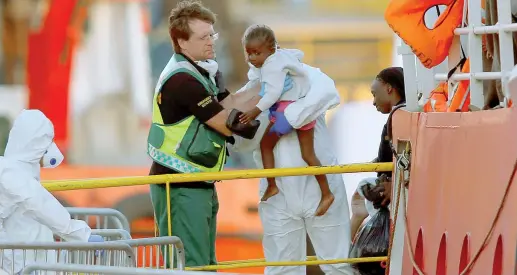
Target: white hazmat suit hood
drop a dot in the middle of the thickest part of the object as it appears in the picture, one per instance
(28, 212)
(30, 140)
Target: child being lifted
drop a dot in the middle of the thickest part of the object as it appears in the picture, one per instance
(273, 64)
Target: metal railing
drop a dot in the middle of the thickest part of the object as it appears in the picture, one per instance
(138, 244)
(14, 256)
(34, 269)
(311, 261)
(156, 247)
(112, 234)
(105, 218)
(107, 234)
(157, 252)
(64, 185)
(416, 75)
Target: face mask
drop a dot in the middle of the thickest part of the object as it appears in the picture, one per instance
(53, 157)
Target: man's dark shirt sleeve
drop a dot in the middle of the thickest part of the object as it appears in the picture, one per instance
(223, 95)
(223, 92)
(191, 95)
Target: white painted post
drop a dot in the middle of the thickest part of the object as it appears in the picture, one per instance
(398, 246)
(410, 77)
(475, 47)
(505, 45)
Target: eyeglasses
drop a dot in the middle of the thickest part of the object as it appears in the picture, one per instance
(213, 36)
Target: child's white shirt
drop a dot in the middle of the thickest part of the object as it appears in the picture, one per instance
(273, 73)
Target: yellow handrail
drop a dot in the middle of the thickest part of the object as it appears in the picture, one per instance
(290, 263)
(63, 185)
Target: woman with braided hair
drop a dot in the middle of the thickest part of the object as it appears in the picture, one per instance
(388, 92)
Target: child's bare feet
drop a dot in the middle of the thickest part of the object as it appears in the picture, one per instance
(271, 190)
(325, 203)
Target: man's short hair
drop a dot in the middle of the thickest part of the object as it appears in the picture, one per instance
(180, 17)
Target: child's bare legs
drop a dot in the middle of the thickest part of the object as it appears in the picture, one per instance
(267, 144)
(306, 138)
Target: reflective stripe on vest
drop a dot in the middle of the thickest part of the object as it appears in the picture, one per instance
(169, 144)
(431, 46)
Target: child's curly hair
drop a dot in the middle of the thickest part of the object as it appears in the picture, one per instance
(261, 32)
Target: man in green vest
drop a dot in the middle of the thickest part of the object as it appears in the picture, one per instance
(193, 118)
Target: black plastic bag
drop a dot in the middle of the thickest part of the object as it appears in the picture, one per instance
(372, 241)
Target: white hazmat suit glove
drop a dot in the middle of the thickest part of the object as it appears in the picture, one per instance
(95, 239)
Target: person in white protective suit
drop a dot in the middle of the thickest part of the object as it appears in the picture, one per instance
(288, 216)
(28, 212)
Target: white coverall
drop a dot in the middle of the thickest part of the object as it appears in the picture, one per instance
(28, 212)
(289, 215)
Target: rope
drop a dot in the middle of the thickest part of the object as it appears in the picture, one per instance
(400, 189)
(395, 217)
(287, 263)
(408, 240)
(488, 236)
(494, 222)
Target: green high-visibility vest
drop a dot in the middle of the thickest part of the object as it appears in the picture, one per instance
(187, 146)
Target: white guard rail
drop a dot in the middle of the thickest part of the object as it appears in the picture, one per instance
(14, 256)
(156, 247)
(107, 234)
(112, 234)
(37, 269)
(104, 217)
(473, 48)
